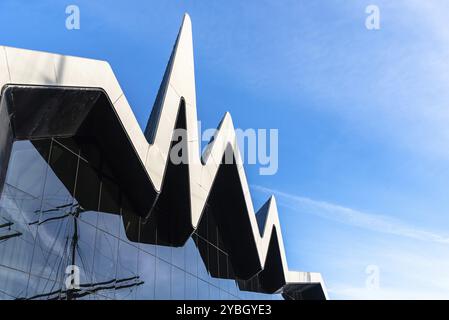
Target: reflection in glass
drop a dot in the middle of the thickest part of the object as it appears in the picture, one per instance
(163, 280)
(147, 275)
(177, 283)
(44, 229)
(191, 292)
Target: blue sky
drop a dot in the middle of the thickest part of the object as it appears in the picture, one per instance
(362, 116)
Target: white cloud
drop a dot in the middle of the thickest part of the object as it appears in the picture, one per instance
(403, 274)
(413, 267)
(349, 216)
(362, 293)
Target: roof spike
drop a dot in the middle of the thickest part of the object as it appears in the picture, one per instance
(179, 66)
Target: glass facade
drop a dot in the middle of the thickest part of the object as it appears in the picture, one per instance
(44, 230)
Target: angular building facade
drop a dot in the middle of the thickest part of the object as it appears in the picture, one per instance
(85, 193)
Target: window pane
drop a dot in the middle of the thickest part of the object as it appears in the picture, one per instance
(178, 256)
(85, 250)
(127, 280)
(223, 295)
(191, 287)
(109, 223)
(44, 289)
(191, 257)
(106, 247)
(164, 252)
(16, 248)
(87, 189)
(213, 266)
(202, 248)
(203, 290)
(109, 196)
(54, 245)
(27, 167)
(150, 248)
(63, 164)
(14, 283)
(163, 275)
(177, 283)
(147, 275)
(214, 292)
(130, 224)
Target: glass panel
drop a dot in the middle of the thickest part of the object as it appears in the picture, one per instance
(164, 253)
(214, 292)
(54, 243)
(177, 283)
(44, 229)
(202, 260)
(178, 257)
(233, 289)
(129, 225)
(163, 281)
(14, 283)
(223, 269)
(85, 251)
(27, 167)
(44, 289)
(54, 247)
(192, 256)
(127, 280)
(109, 218)
(191, 287)
(88, 192)
(149, 248)
(147, 275)
(109, 196)
(213, 265)
(105, 261)
(17, 244)
(203, 290)
(63, 165)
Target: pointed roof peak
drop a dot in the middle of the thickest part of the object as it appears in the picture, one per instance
(186, 23)
(179, 73)
(186, 17)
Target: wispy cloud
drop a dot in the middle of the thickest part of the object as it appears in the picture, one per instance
(363, 293)
(404, 273)
(353, 217)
